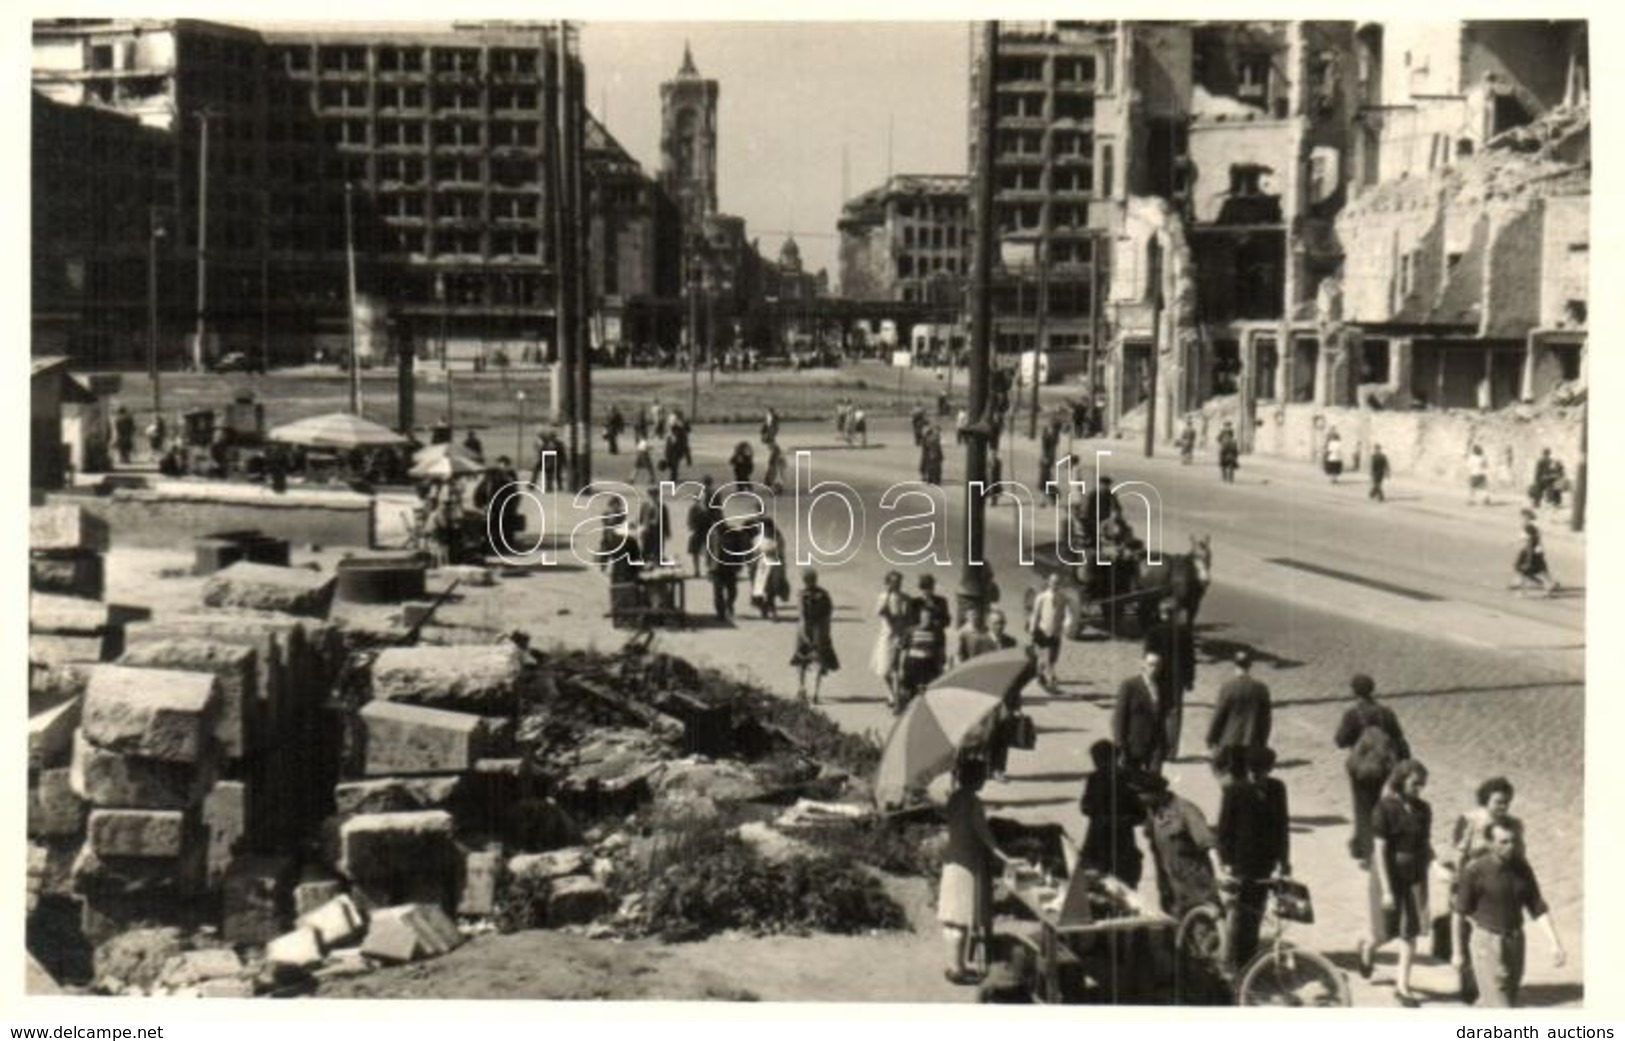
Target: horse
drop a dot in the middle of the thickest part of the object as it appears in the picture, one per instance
(1181, 577)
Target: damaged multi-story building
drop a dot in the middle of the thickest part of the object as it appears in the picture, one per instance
(907, 240)
(1347, 213)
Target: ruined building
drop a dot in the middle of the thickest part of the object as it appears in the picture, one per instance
(908, 240)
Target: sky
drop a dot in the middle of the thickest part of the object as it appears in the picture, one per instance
(792, 96)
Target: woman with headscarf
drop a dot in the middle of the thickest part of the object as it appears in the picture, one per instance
(1402, 849)
(963, 907)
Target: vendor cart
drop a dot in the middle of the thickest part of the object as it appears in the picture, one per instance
(1090, 938)
(653, 597)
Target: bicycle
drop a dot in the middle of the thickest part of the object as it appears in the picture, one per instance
(1279, 972)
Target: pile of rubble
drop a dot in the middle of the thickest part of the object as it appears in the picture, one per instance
(254, 798)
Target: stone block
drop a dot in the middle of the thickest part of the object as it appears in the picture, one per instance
(80, 574)
(110, 780)
(577, 900)
(384, 845)
(56, 650)
(178, 878)
(236, 669)
(481, 679)
(153, 713)
(253, 898)
(54, 811)
(196, 967)
(52, 685)
(483, 872)
(237, 987)
(409, 739)
(73, 616)
(557, 864)
(67, 527)
(298, 951)
(410, 932)
(336, 923)
(396, 795)
(263, 587)
(136, 833)
(311, 894)
(465, 574)
(718, 781)
(50, 735)
(226, 825)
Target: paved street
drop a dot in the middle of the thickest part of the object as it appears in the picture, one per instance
(1483, 682)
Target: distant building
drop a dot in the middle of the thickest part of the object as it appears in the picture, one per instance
(688, 143)
(442, 136)
(908, 240)
(633, 247)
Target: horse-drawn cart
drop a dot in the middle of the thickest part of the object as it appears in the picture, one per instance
(1108, 584)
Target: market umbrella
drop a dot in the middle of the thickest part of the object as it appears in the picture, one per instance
(1000, 673)
(927, 738)
(338, 430)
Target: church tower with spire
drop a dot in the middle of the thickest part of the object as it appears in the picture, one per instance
(688, 143)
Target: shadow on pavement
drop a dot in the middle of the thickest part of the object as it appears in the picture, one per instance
(1509, 688)
(1063, 776)
(1222, 650)
(1063, 800)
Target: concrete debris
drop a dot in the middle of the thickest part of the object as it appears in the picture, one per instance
(136, 833)
(61, 650)
(253, 896)
(111, 780)
(483, 874)
(236, 668)
(383, 845)
(298, 951)
(771, 844)
(719, 781)
(410, 932)
(264, 587)
(238, 987)
(77, 574)
(226, 826)
(553, 865)
(52, 685)
(136, 958)
(409, 739)
(577, 900)
(483, 680)
(336, 922)
(50, 735)
(195, 967)
(396, 795)
(464, 574)
(310, 894)
(155, 713)
(54, 811)
(346, 961)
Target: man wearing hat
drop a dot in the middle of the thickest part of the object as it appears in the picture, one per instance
(1175, 643)
(1241, 716)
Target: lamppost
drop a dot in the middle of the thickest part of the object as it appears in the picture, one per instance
(200, 348)
(519, 437)
(156, 232)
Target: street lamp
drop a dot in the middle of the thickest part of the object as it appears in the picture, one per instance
(155, 232)
(519, 438)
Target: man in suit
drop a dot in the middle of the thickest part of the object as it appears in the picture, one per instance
(1174, 640)
(1136, 726)
(1241, 717)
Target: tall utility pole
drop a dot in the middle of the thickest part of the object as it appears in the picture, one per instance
(693, 283)
(1038, 338)
(1153, 254)
(1577, 512)
(155, 231)
(573, 106)
(564, 255)
(973, 585)
(355, 346)
(198, 348)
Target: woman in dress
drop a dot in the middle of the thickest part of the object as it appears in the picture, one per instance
(892, 608)
(1334, 455)
(773, 476)
(1531, 565)
(813, 644)
(967, 862)
(1402, 850)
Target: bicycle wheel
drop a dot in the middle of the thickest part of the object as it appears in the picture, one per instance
(1199, 956)
(1293, 977)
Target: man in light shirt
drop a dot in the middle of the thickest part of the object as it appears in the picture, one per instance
(1045, 627)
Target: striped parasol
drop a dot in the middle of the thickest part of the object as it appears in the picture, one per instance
(339, 430)
(927, 739)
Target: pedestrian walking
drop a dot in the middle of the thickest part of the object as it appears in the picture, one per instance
(614, 426)
(1470, 839)
(1495, 892)
(917, 421)
(773, 475)
(1530, 564)
(860, 427)
(1187, 443)
(643, 462)
(679, 429)
(893, 610)
(925, 646)
(1184, 848)
(995, 473)
(1136, 728)
(1045, 626)
(1478, 476)
(441, 432)
(972, 638)
(964, 905)
(1049, 440)
(814, 648)
(1113, 810)
(724, 557)
(702, 516)
(770, 426)
(1376, 744)
(473, 445)
(1332, 455)
(1379, 473)
(1242, 713)
(654, 521)
(671, 453)
(123, 435)
(1254, 846)
(640, 424)
(768, 583)
(1402, 850)
(743, 461)
(931, 457)
(1229, 453)
(1174, 640)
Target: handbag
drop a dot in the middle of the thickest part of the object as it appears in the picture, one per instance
(1023, 731)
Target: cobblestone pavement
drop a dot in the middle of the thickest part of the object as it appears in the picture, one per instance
(1470, 708)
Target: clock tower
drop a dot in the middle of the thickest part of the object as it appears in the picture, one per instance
(688, 143)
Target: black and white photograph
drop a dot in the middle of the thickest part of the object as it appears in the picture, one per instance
(1084, 513)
